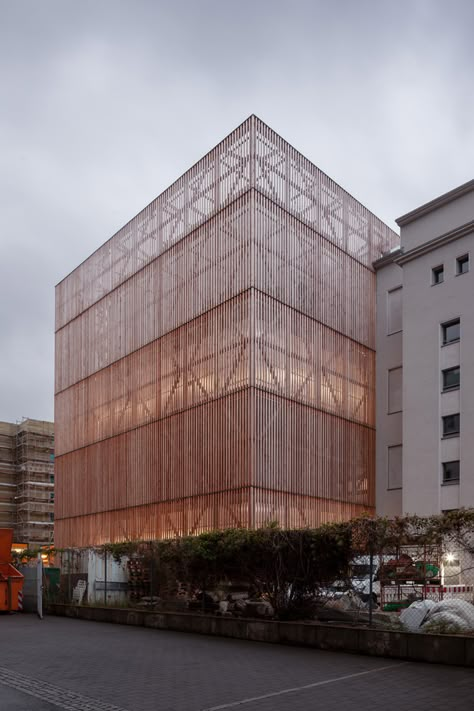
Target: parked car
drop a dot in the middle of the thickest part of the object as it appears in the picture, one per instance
(358, 581)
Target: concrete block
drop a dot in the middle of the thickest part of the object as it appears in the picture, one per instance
(469, 651)
(298, 633)
(105, 614)
(201, 624)
(178, 621)
(133, 617)
(439, 649)
(155, 620)
(231, 627)
(337, 638)
(262, 631)
(383, 643)
(95, 614)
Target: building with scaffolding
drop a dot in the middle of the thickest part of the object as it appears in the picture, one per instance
(27, 481)
(7, 475)
(215, 359)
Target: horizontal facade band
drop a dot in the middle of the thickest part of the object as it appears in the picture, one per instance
(249, 507)
(250, 437)
(243, 247)
(251, 340)
(238, 490)
(257, 196)
(197, 406)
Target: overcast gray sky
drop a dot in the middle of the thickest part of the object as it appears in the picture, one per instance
(104, 103)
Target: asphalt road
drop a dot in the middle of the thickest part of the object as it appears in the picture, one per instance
(87, 666)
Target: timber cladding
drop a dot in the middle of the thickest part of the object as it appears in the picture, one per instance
(215, 360)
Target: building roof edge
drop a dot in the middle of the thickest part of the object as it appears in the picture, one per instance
(440, 241)
(387, 258)
(435, 204)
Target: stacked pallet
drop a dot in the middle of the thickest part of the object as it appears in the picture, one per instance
(138, 578)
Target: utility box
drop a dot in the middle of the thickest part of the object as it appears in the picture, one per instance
(11, 580)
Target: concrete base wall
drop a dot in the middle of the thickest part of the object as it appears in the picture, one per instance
(440, 649)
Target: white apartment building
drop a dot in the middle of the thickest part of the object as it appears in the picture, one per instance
(425, 360)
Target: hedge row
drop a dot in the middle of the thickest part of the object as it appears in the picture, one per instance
(292, 567)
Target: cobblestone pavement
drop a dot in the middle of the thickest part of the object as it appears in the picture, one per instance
(89, 666)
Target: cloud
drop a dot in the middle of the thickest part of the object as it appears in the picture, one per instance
(105, 104)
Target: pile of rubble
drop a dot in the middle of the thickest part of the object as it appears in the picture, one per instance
(232, 604)
(219, 602)
(351, 608)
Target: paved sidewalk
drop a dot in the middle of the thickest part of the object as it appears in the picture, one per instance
(82, 666)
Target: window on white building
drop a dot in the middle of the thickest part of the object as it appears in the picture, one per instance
(437, 275)
(451, 472)
(451, 378)
(394, 310)
(451, 331)
(462, 264)
(451, 425)
(395, 467)
(452, 571)
(394, 390)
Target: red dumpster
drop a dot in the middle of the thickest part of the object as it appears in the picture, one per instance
(11, 580)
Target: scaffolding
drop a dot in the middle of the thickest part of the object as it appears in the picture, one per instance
(27, 481)
(35, 483)
(413, 573)
(7, 475)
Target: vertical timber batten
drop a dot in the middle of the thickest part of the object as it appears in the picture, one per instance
(215, 358)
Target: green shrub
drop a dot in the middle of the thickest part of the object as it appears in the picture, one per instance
(290, 568)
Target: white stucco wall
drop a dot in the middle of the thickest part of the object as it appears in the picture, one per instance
(438, 222)
(389, 426)
(425, 308)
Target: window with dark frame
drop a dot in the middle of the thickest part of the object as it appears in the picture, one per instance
(451, 425)
(451, 378)
(462, 264)
(394, 467)
(451, 472)
(394, 310)
(437, 275)
(451, 331)
(395, 390)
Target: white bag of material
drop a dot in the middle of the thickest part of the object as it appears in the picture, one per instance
(413, 617)
(451, 614)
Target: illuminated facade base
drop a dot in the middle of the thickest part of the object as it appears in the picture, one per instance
(215, 359)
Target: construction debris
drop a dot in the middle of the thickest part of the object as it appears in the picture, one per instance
(449, 616)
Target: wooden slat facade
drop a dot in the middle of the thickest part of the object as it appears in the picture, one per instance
(215, 359)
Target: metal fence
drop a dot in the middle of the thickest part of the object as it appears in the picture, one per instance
(418, 587)
(382, 587)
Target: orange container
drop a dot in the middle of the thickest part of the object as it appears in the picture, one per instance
(11, 580)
